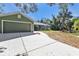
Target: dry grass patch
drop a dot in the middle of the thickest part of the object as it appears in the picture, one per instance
(64, 37)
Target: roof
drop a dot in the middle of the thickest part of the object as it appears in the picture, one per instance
(12, 13)
(38, 23)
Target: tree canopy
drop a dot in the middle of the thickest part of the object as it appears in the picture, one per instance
(27, 7)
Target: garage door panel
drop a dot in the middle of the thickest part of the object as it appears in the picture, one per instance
(16, 27)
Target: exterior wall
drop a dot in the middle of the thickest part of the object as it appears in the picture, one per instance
(41, 27)
(15, 18)
(15, 27)
(0, 27)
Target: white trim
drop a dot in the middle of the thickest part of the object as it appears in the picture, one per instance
(15, 21)
(2, 27)
(2, 22)
(32, 27)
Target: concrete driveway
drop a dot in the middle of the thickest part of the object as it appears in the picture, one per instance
(36, 45)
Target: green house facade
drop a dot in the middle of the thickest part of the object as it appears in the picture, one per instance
(15, 22)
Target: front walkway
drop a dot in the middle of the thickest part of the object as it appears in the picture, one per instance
(36, 45)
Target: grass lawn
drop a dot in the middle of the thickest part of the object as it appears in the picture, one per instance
(77, 33)
(63, 37)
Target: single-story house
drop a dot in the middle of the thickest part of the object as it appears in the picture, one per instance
(15, 22)
(41, 26)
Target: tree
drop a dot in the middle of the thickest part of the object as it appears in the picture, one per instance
(45, 20)
(27, 7)
(69, 25)
(75, 19)
(41, 21)
(64, 14)
(54, 24)
(65, 20)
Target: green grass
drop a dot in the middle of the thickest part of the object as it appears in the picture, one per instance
(77, 33)
(46, 30)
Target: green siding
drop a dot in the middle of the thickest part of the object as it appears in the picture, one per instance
(11, 27)
(15, 18)
(0, 27)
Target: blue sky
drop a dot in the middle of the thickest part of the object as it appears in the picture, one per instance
(43, 10)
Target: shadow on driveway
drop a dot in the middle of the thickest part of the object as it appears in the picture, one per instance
(8, 36)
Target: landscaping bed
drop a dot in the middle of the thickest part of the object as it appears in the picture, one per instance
(64, 37)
